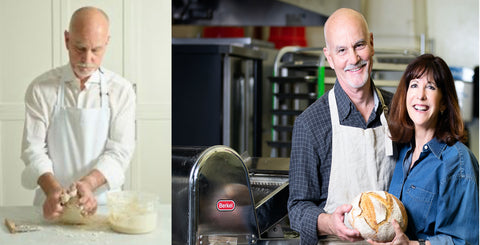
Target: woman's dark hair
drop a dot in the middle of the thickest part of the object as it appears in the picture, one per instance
(449, 128)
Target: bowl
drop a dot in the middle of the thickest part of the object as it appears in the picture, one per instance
(132, 212)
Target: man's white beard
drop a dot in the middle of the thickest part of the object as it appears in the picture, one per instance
(81, 72)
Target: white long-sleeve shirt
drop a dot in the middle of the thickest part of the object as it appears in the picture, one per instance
(40, 99)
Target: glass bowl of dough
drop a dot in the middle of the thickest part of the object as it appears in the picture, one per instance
(132, 212)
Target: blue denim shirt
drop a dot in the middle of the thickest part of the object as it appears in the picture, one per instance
(440, 193)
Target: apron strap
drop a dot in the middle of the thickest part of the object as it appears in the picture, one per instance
(382, 101)
(334, 111)
(383, 119)
(103, 89)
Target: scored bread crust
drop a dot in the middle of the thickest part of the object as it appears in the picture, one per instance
(372, 215)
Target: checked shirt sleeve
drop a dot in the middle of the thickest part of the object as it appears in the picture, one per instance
(305, 189)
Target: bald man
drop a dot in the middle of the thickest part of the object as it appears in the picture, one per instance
(340, 143)
(79, 127)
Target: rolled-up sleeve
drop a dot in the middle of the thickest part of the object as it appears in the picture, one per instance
(305, 194)
(120, 145)
(34, 151)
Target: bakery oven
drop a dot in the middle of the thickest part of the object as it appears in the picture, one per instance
(216, 95)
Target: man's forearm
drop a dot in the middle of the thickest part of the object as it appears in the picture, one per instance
(93, 180)
(48, 183)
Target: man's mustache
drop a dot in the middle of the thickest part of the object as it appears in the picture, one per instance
(86, 65)
(360, 64)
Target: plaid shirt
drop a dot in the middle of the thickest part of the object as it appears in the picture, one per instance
(311, 158)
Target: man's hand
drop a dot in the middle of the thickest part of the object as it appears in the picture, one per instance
(332, 224)
(86, 200)
(399, 239)
(86, 188)
(52, 209)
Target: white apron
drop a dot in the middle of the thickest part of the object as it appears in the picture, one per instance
(362, 159)
(75, 139)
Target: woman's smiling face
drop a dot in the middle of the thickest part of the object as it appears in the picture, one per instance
(424, 102)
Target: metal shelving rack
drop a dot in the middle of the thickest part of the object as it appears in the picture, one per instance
(295, 86)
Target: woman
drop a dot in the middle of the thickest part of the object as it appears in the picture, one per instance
(436, 176)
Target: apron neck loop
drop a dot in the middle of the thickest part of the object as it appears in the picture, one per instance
(384, 120)
(382, 101)
(103, 89)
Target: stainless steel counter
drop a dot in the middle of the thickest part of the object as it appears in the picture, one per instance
(97, 232)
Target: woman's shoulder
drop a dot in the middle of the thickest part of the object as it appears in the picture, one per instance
(460, 159)
(461, 150)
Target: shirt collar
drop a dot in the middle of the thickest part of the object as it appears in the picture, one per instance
(69, 76)
(345, 105)
(436, 147)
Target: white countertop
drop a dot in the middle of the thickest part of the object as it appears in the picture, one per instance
(97, 232)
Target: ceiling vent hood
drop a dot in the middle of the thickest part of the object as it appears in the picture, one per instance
(256, 12)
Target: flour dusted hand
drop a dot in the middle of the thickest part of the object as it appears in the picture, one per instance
(86, 196)
(52, 209)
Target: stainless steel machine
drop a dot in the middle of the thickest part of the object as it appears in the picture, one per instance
(220, 198)
(220, 82)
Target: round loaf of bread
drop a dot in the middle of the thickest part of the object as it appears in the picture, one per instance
(372, 215)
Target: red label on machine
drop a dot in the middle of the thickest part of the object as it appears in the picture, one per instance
(225, 205)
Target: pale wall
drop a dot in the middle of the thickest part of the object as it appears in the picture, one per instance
(452, 27)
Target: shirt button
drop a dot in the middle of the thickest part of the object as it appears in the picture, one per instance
(425, 147)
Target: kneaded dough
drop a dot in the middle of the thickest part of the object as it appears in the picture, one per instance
(72, 213)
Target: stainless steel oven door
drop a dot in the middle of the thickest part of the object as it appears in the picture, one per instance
(238, 110)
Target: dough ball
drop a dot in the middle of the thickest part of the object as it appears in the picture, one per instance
(72, 213)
